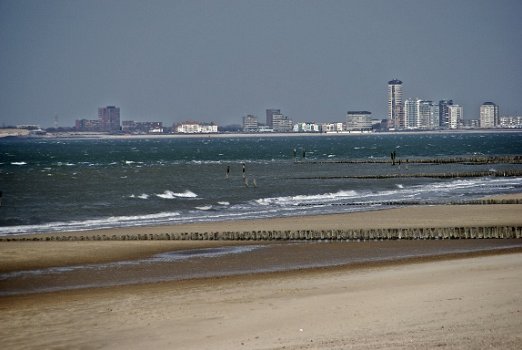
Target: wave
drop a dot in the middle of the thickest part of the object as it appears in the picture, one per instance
(204, 207)
(141, 196)
(301, 199)
(435, 192)
(85, 225)
(172, 195)
(346, 200)
(18, 163)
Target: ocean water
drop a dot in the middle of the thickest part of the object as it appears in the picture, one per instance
(72, 184)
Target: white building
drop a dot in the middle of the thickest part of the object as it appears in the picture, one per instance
(412, 113)
(307, 127)
(489, 117)
(196, 128)
(456, 116)
(332, 127)
(511, 122)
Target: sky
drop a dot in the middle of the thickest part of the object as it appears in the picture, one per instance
(174, 60)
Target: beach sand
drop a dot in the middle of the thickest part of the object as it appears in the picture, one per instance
(463, 302)
(466, 303)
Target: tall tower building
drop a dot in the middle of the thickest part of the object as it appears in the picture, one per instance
(444, 113)
(109, 118)
(456, 116)
(270, 116)
(426, 115)
(489, 117)
(411, 112)
(395, 107)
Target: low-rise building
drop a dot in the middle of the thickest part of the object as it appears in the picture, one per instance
(250, 123)
(511, 122)
(471, 123)
(282, 123)
(88, 125)
(332, 127)
(358, 120)
(131, 126)
(307, 127)
(196, 128)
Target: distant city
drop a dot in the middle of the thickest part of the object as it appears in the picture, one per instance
(411, 114)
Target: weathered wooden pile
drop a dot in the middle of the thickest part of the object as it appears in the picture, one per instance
(448, 175)
(426, 233)
(446, 160)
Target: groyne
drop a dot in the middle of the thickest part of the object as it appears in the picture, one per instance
(348, 234)
(409, 203)
(455, 160)
(448, 175)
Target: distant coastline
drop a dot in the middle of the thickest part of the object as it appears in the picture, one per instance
(25, 134)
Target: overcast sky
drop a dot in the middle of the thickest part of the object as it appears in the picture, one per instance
(219, 60)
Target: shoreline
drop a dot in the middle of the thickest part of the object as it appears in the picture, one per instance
(20, 134)
(30, 251)
(418, 216)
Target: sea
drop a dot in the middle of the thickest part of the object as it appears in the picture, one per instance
(60, 184)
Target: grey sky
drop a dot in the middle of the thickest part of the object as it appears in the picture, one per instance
(219, 60)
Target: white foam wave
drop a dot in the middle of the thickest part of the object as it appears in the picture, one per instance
(141, 196)
(204, 207)
(302, 199)
(225, 203)
(107, 222)
(172, 195)
(18, 163)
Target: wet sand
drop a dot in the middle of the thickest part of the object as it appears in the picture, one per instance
(465, 303)
(244, 259)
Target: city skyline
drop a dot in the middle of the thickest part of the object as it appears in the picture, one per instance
(221, 60)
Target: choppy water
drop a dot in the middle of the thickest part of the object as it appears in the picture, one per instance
(59, 185)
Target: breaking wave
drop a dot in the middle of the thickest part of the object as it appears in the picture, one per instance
(172, 195)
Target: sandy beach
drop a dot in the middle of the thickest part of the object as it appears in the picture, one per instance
(458, 300)
(466, 303)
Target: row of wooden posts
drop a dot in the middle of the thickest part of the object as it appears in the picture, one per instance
(394, 159)
(507, 173)
(426, 233)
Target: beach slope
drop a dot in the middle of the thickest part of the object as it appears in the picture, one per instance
(465, 303)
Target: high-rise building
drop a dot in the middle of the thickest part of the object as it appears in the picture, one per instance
(425, 114)
(109, 118)
(434, 121)
(411, 112)
(395, 107)
(489, 117)
(444, 121)
(250, 123)
(270, 117)
(456, 116)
